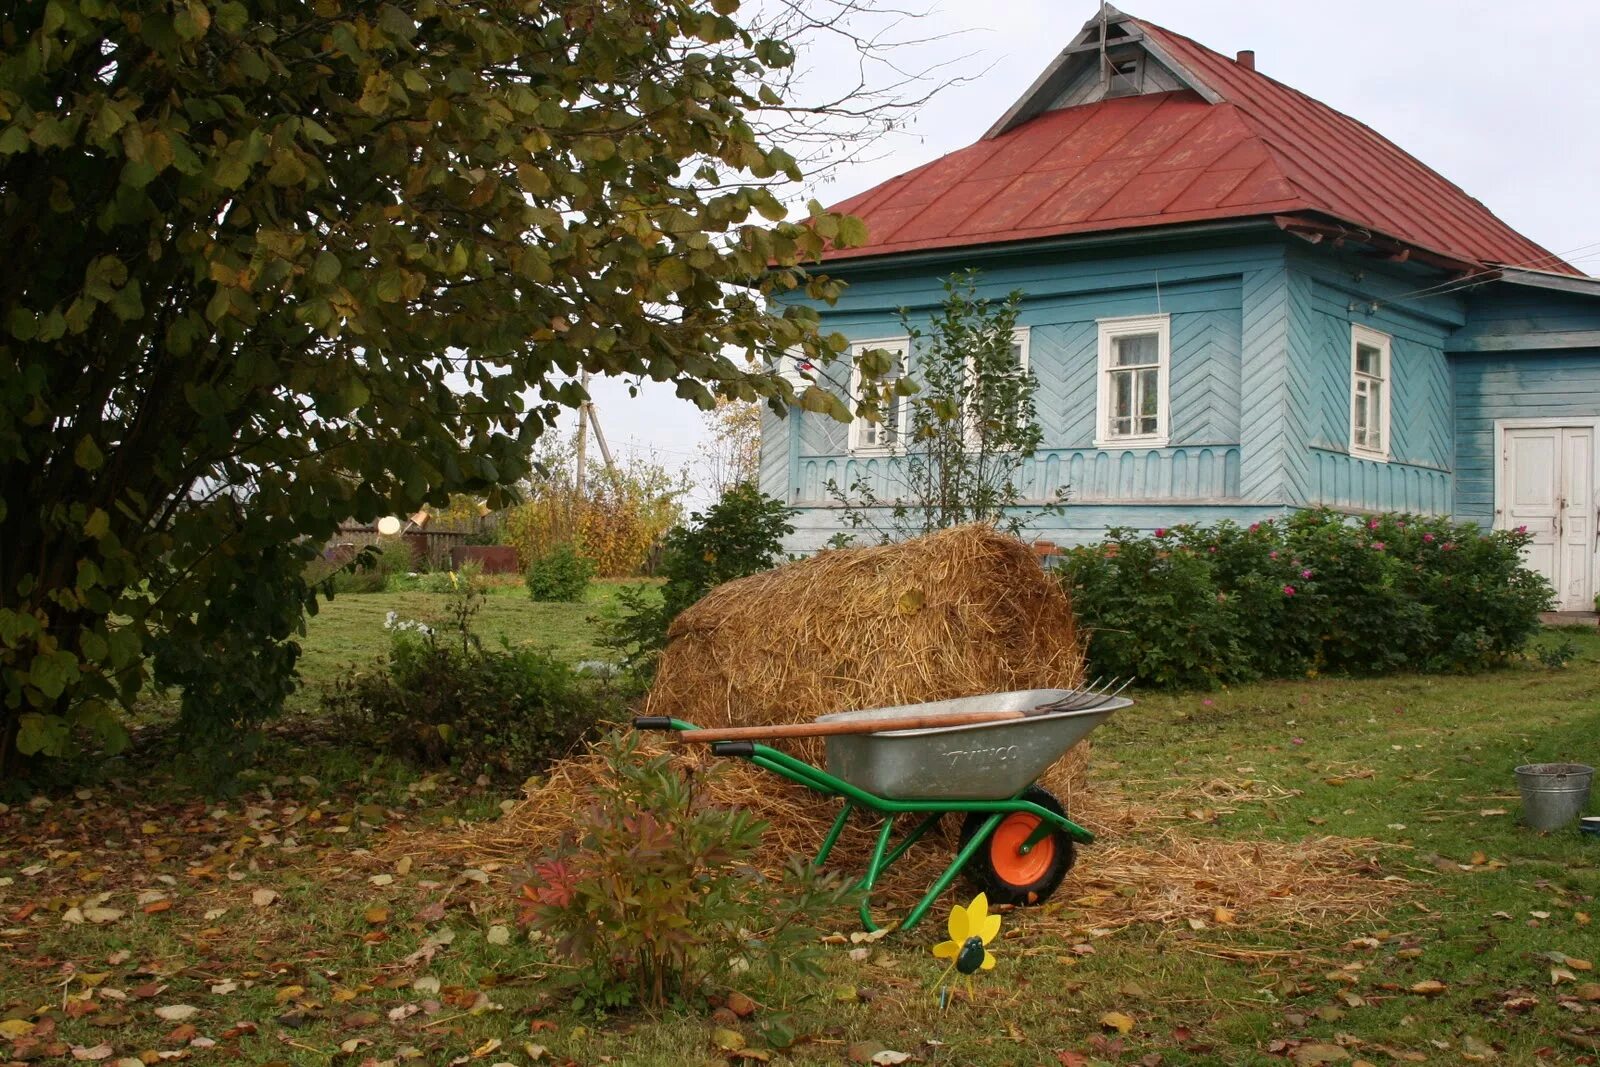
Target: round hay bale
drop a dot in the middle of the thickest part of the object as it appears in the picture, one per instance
(961, 612)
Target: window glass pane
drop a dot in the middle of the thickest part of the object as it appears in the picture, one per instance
(1149, 394)
(1375, 428)
(1121, 395)
(1016, 352)
(1360, 418)
(1121, 427)
(1369, 360)
(1136, 350)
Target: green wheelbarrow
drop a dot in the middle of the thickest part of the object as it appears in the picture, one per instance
(1017, 843)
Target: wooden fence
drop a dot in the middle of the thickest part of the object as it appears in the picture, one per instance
(430, 549)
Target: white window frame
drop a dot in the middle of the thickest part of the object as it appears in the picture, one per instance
(1366, 335)
(1132, 326)
(859, 427)
(1019, 338)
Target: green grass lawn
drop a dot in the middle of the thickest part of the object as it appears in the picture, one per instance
(349, 629)
(287, 921)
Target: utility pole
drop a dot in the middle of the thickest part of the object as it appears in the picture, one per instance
(583, 436)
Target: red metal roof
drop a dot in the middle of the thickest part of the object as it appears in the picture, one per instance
(1265, 149)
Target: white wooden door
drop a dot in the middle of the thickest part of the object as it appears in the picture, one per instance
(1547, 483)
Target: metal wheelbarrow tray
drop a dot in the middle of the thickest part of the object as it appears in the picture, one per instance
(1017, 843)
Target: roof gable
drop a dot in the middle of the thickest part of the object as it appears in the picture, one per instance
(1184, 135)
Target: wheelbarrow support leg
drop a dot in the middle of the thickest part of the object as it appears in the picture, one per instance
(979, 840)
(833, 834)
(875, 866)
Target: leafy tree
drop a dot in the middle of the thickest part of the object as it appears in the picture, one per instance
(740, 535)
(970, 424)
(276, 264)
(734, 452)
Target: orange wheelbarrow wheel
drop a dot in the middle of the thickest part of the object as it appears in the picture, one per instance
(1001, 869)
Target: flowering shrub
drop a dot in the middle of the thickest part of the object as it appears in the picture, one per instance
(653, 895)
(1317, 592)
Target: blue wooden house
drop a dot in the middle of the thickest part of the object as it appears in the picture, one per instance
(1238, 302)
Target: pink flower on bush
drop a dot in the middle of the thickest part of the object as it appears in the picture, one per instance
(1522, 529)
(1377, 546)
(1213, 548)
(1372, 524)
(1161, 531)
(1273, 554)
(1306, 574)
(1288, 590)
(1427, 539)
(1448, 546)
(1254, 526)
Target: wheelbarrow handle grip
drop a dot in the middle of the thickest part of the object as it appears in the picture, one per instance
(652, 722)
(734, 748)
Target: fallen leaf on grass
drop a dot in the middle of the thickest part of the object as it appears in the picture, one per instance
(1223, 916)
(264, 898)
(499, 935)
(11, 1029)
(377, 916)
(1315, 1054)
(98, 1052)
(176, 1013)
(1121, 1022)
(1428, 988)
(1561, 974)
(727, 1040)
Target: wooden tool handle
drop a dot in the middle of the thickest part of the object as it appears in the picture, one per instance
(846, 726)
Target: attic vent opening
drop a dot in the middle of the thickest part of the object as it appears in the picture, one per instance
(1124, 74)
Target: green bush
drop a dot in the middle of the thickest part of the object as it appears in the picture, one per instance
(1319, 592)
(654, 895)
(440, 698)
(373, 567)
(740, 535)
(559, 574)
(448, 581)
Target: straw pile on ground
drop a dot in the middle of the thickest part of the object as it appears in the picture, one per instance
(958, 613)
(962, 612)
(1145, 866)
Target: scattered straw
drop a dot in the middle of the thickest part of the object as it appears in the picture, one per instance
(1144, 867)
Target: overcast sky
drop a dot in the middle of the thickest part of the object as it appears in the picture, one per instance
(1501, 98)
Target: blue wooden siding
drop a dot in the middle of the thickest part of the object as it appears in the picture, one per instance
(1522, 385)
(1260, 384)
(1507, 317)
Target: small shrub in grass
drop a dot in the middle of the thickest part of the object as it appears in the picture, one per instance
(441, 698)
(1198, 606)
(653, 898)
(373, 567)
(450, 581)
(560, 574)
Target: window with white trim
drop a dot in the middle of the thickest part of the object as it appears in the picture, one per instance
(879, 438)
(1135, 364)
(1369, 393)
(1019, 358)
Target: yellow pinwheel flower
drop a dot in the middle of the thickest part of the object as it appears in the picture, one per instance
(971, 928)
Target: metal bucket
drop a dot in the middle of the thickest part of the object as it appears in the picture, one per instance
(1553, 794)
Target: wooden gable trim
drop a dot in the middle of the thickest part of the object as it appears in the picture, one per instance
(1074, 59)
